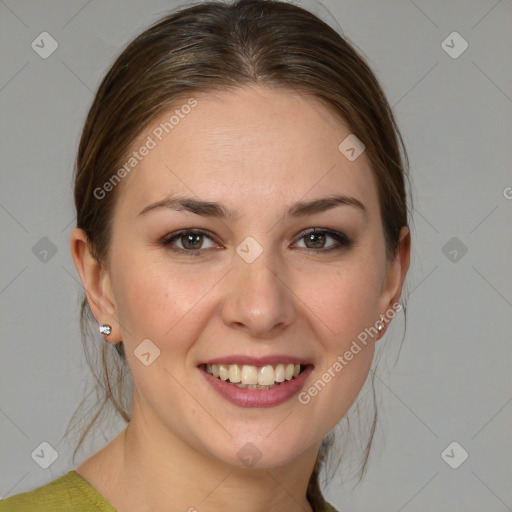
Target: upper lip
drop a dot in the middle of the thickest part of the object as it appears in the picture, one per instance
(257, 361)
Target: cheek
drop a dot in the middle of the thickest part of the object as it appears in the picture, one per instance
(154, 299)
(345, 300)
(343, 310)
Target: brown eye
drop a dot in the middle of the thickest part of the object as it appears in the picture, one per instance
(188, 241)
(191, 241)
(315, 240)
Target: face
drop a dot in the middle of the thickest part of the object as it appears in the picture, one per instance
(264, 276)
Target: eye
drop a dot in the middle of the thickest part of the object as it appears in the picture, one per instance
(190, 241)
(315, 240)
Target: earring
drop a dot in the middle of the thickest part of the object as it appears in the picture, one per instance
(381, 323)
(105, 329)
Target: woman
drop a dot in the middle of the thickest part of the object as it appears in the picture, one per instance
(242, 241)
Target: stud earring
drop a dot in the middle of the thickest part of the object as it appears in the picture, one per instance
(105, 329)
(381, 323)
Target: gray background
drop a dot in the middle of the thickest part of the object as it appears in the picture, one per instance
(452, 381)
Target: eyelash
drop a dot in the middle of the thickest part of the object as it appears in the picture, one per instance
(342, 240)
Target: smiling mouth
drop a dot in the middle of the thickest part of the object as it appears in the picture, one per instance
(253, 377)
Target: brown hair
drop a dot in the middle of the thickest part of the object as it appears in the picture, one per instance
(216, 46)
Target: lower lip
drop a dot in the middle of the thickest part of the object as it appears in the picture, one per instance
(258, 397)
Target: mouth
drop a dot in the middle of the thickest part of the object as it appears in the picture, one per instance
(246, 376)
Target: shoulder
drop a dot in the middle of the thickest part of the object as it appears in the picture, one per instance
(329, 508)
(69, 493)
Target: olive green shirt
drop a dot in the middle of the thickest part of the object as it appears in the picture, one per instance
(69, 493)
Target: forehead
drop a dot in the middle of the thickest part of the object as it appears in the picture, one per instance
(250, 148)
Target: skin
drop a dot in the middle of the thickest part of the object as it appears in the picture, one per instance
(271, 148)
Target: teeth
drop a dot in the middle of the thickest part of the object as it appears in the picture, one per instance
(251, 377)
(266, 376)
(223, 372)
(280, 373)
(234, 373)
(253, 386)
(249, 374)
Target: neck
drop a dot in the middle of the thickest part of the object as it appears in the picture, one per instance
(160, 472)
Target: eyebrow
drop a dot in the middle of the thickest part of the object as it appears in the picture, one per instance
(213, 209)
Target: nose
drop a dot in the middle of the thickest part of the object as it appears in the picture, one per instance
(258, 300)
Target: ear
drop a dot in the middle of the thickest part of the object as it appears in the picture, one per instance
(96, 282)
(395, 276)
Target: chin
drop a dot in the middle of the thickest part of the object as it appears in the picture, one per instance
(260, 451)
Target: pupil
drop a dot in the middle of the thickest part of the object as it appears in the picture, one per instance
(191, 241)
(320, 240)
